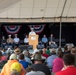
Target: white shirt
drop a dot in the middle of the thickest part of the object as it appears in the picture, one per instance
(16, 40)
(26, 40)
(32, 33)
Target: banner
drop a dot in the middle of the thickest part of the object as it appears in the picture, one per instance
(37, 28)
(12, 29)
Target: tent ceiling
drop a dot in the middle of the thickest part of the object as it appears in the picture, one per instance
(36, 8)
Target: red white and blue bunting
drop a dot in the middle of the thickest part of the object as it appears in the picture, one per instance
(12, 29)
(37, 28)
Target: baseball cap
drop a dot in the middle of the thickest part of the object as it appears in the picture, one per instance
(13, 56)
(16, 66)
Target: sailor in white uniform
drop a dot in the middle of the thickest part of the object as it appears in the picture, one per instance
(32, 32)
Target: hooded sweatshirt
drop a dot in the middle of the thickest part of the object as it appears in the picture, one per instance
(6, 68)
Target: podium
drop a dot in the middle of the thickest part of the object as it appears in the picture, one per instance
(33, 40)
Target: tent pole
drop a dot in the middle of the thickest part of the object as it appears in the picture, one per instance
(0, 33)
(60, 32)
(61, 23)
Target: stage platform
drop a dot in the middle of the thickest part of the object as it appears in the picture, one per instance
(30, 49)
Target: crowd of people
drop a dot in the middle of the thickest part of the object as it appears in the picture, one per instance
(40, 62)
(45, 61)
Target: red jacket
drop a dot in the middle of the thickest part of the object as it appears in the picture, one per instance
(45, 55)
(68, 71)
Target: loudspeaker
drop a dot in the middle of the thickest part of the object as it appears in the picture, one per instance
(40, 46)
(26, 47)
(30, 47)
(53, 46)
(23, 47)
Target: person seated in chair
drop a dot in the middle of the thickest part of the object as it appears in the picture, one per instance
(10, 41)
(3, 42)
(26, 40)
(44, 41)
(52, 42)
(16, 40)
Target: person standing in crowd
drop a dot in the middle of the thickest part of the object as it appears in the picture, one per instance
(10, 41)
(45, 41)
(69, 68)
(16, 40)
(32, 32)
(3, 42)
(26, 40)
(38, 64)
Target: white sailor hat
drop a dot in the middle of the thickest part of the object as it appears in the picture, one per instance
(15, 34)
(9, 35)
(32, 28)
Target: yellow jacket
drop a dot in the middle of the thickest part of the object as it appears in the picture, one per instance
(6, 68)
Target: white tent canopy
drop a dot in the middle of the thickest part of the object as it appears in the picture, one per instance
(34, 10)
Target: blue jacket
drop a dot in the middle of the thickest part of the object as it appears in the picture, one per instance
(24, 63)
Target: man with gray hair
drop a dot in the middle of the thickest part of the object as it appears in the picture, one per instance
(35, 73)
(50, 59)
